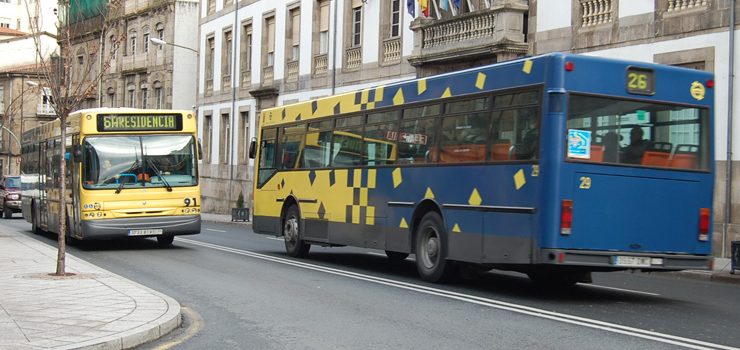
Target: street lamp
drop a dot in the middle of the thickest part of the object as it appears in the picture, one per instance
(160, 42)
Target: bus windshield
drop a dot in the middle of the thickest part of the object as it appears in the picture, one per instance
(110, 162)
(617, 131)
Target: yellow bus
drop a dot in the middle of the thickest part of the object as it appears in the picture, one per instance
(130, 173)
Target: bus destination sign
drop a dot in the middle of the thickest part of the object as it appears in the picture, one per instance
(139, 122)
(640, 81)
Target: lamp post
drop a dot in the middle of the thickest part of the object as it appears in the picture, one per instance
(160, 42)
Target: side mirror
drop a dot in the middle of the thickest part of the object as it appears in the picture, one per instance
(253, 148)
(200, 151)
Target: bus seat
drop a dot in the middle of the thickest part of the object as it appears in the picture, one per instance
(501, 150)
(462, 153)
(661, 146)
(685, 157)
(655, 158)
(597, 153)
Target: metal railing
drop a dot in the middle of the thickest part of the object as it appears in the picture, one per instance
(45, 109)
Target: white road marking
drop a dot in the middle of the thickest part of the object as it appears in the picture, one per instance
(501, 305)
(588, 285)
(214, 230)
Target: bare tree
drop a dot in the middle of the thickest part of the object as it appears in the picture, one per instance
(72, 72)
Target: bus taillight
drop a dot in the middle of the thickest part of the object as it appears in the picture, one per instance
(566, 216)
(704, 224)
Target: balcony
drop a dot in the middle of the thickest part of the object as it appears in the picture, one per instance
(292, 68)
(392, 50)
(268, 74)
(493, 33)
(43, 109)
(134, 62)
(353, 58)
(320, 65)
(680, 5)
(595, 12)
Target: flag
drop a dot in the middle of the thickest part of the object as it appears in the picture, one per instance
(457, 3)
(411, 5)
(444, 4)
(424, 4)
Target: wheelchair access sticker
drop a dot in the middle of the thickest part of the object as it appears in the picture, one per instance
(579, 144)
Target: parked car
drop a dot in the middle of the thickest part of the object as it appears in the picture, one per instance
(10, 195)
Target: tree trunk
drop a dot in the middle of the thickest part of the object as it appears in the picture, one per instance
(61, 259)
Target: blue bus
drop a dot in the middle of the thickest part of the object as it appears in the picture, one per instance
(555, 166)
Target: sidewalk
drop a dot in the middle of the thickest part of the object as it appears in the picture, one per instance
(95, 309)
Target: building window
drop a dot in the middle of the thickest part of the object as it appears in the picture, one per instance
(226, 50)
(225, 139)
(131, 94)
(270, 47)
(208, 137)
(211, 6)
(246, 54)
(146, 39)
(294, 33)
(160, 33)
(111, 97)
(210, 47)
(324, 28)
(80, 67)
(158, 95)
(396, 18)
(144, 97)
(357, 25)
(113, 43)
(243, 138)
(132, 43)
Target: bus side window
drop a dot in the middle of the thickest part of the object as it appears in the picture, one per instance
(267, 155)
(291, 145)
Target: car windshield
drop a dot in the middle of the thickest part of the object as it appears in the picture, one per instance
(13, 182)
(112, 162)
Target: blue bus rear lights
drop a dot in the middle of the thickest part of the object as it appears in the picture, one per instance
(569, 66)
(704, 224)
(566, 216)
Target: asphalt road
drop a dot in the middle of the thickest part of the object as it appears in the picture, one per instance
(246, 293)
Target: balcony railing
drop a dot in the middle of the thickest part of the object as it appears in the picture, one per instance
(354, 57)
(209, 86)
(226, 81)
(457, 31)
(595, 12)
(320, 64)
(678, 5)
(268, 74)
(45, 109)
(246, 79)
(391, 50)
(292, 71)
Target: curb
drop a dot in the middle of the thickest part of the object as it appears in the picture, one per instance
(707, 276)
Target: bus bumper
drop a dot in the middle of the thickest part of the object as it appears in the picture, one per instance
(114, 228)
(620, 260)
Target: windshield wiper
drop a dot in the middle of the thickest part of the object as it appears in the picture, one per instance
(120, 178)
(159, 173)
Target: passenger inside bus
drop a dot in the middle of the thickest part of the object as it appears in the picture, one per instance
(527, 148)
(611, 147)
(632, 154)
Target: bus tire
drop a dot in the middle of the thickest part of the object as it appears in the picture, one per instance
(166, 240)
(431, 250)
(396, 256)
(294, 245)
(7, 213)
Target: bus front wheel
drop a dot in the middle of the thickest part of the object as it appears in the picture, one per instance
(34, 221)
(294, 245)
(431, 250)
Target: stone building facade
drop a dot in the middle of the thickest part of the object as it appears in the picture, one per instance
(688, 33)
(138, 72)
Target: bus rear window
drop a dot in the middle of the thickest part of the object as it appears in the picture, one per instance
(643, 133)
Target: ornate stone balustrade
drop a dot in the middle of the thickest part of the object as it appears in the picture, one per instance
(292, 69)
(478, 25)
(320, 64)
(391, 50)
(595, 12)
(354, 57)
(678, 5)
(268, 74)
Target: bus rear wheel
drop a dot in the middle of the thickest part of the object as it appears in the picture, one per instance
(294, 245)
(431, 250)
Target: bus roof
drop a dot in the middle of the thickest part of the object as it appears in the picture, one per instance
(524, 71)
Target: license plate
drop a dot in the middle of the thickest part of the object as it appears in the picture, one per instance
(632, 261)
(148, 232)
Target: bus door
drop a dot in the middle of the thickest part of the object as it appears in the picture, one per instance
(73, 185)
(45, 167)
